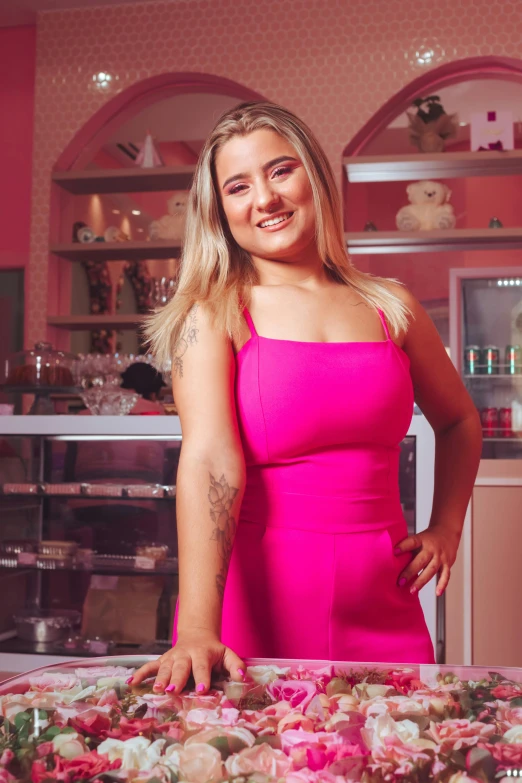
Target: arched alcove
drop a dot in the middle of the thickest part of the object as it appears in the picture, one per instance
(179, 109)
(465, 86)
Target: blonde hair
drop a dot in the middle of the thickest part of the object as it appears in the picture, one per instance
(216, 271)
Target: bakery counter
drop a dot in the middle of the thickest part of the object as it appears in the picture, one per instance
(99, 427)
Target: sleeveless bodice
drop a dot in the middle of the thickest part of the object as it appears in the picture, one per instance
(322, 420)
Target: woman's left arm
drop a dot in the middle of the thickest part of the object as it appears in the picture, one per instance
(444, 400)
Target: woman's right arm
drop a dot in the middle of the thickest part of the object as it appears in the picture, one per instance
(210, 485)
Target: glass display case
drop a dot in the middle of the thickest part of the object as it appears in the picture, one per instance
(86, 721)
(88, 547)
(486, 347)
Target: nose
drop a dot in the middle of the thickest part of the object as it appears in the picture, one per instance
(265, 197)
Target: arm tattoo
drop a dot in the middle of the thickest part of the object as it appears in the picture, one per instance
(221, 496)
(188, 336)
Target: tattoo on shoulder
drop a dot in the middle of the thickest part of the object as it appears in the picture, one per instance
(221, 497)
(188, 336)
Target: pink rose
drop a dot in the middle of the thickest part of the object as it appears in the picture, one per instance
(298, 693)
(89, 765)
(54, 682)
(197, 763)
(291, 738)
(506, 692)
(318, 756)
(132, 727)
(194, 701)
(259, 758)
(457, 734)
(6, 758)
(93, 723)
(321, 677)
(506, 754)
(99, 672)
(509, 716)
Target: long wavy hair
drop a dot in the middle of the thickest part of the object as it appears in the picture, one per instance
(216, 271)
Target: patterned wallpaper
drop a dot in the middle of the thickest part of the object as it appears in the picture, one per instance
(333, 62)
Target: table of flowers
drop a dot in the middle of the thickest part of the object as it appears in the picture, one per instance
(299, 722)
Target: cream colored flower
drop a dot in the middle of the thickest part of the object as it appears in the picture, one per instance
(376, 729)
(259, 758)
(68, 746)
(265, 674)
(197, 762)
(513, 735)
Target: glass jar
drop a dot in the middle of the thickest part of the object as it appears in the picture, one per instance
(39, 367)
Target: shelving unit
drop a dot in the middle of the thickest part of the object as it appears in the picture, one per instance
(381, 242)
(444, 165)
(88, 322)
(117, 251)
(132, 180)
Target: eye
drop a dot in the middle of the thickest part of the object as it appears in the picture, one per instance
(236, 189)
(281, 170)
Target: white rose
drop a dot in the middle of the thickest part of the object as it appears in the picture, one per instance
(68, 745)
(265, 674)
(198, 762)
(135, 753)
(376, 729)
(513, 735)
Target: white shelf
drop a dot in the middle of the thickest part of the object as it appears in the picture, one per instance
(92, 322)
(117, 251)
(377, 242)
(93, 427)
(444, 165)
(125, 180)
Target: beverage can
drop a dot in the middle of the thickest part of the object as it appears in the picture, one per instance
(491, 360)
(513, 362)
(490, 422)
(504, 423)
(471, 360)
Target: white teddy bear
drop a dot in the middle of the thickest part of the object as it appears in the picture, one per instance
(429, 208)
(171, 226)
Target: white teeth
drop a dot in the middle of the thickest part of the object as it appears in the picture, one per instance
(275, 221)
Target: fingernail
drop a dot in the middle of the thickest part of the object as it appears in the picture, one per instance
(396, 551)
(200, 687)
(402, 582)
(157, 686)
(413, 590)
(128, 682)
(170, 688)
(241, 672)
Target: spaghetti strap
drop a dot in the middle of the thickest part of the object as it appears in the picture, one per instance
(384, 324)
(248, 319)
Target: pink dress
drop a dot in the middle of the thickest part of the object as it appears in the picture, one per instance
(313, 574)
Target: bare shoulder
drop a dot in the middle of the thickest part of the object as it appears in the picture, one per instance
(198, 336)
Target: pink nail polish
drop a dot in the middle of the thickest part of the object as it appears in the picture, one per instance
(241, 672)
(200, 687)
(396, 551)
(170, 688)
(128, 682)
(402, 582)
(157, 686)
(413, 590)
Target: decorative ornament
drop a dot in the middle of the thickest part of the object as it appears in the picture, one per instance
(115, 234)
(149, 156)
(431, 126)
(428, 209)
(171, 226)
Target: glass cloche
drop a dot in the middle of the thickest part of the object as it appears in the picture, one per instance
(39, 367)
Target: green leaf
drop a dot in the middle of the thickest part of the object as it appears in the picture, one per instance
(516, 702)
(273, 740)
(66, 730)
(21, 719)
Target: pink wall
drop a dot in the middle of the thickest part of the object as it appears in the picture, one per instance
(17, 84)
(335, 64)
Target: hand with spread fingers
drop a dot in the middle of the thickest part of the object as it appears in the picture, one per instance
(198, 652)
(435, 551)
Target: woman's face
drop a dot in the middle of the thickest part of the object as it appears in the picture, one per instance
(266, 196)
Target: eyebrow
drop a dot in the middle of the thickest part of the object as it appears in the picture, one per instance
(266, 166)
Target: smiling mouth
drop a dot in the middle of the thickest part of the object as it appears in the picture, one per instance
(275, 221)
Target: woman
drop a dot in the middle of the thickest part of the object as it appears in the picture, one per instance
(293, 374)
